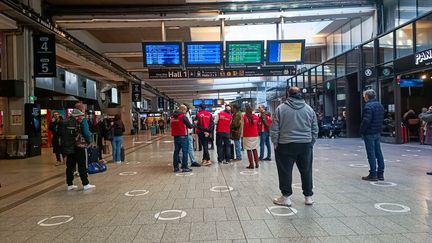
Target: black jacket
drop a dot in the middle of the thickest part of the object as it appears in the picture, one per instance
(373, 118)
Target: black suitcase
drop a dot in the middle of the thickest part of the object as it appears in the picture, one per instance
(232, 151)
(92, 155)
(122, 154)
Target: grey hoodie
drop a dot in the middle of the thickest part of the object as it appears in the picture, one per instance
(294, 122)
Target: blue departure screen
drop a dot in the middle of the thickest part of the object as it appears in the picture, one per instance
(208, 102)
(162, 54)
(204, 53)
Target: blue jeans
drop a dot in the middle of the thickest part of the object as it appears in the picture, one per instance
(237, 146)
(374, 154)
(190, 150)
(181, 143)
(264, 140)
(117, 143)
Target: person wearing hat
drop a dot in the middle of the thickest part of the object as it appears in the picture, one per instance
(75, 138)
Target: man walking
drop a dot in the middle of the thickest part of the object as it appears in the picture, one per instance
(205, 127)
(236, 131)
(264, 124)
(293, 134)
(223, 142)
(370, 128)
(179, 130)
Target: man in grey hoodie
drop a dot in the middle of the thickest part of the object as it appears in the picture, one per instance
(293, 133)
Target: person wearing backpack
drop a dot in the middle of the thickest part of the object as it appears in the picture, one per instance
(75, 137)
(117, 129)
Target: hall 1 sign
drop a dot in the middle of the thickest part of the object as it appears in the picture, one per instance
(136, 92)
(44, 64)
(423, 58)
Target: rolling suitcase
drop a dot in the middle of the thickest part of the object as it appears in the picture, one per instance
(122, 154)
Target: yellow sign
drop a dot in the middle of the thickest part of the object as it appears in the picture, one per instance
(290, 52)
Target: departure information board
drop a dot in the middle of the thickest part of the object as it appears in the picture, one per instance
(285, 52)
(203, 53)
(245, 52)
(162, 54)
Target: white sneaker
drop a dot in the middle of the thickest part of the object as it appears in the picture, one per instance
(282, 201)
(309, 200)
(118, 162)
(73, 187)
(88, 187)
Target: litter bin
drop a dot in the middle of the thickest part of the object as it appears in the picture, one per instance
(16, 146)
(22, 146)
(3, 147)
(153, 130)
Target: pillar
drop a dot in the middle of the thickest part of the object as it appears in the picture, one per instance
(126, 107)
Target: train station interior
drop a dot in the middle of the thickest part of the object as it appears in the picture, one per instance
(128, 70)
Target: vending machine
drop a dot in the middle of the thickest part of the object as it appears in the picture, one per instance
(33, 129)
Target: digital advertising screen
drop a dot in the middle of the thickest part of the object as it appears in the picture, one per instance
(162, 53)
(245, 52)
(285, 52)
(209, 102)
(203, 53)
(411, 83)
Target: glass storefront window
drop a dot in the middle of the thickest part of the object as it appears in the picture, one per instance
(386, 48)
(368, 54)
(424, 33)
(424, 6)
(387, 100)
(329, 70)
(319, 75)
(340, 66)
(337, 42)
(313, 76)
(407, 11)
(356, 32)
(390, 14)
(346, 37)
(367, 28)
(352, 61)
(404, 41)
(330, 46)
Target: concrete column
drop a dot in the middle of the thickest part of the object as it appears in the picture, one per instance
(126, 106)
(163, 29)
(282, 23)
(17, 64)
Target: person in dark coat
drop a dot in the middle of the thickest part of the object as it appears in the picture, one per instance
(54, 128)
(371, 128)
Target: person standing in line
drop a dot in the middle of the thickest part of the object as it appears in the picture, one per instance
(205, 127)
(264, 124)
(191, 152)
(75, 137)
(179, 130)
(223, 142)
(370, 129)
(251, 137)
(236, 131)
(117, 129)
(54, 128)
(293, 134)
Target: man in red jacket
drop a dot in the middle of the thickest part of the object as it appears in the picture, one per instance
(179, 130)
(205, 127)
(223, 142)
(264, 124)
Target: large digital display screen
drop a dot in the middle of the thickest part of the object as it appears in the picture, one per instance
(162, 53)
(411, 83)
(244, 52)
(203, 53)
(209, 102)
(114, 96)
(285, 52)
(197, 102)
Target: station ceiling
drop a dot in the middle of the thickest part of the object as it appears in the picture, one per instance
(117, 29)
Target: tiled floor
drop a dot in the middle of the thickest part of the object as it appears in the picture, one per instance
(344, 211)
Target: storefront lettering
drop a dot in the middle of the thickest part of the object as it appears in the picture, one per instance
(423, 56)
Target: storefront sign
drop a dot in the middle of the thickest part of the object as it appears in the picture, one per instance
(136, 92)
(44, 56)
(423, 58)
(386, 71)
(217, 73)
(368, 72)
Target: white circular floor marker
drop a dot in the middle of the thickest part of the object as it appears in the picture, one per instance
(350, 154)
(392, 161)
(383, 183)
(359, 165)
(404, 209)
(249, 173)
(128, 173)
(67, 217)
(136, 193)
(292, 211)
(221, 189)
(133, 162)
(185, 174)
(182, 213)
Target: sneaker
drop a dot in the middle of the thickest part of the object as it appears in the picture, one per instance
(72, 187)
(226, 162)
(76, 174)
(195, 164)
(429, 173)
(309, 200)
(236, 160)
(176, 170)
(88, 187)
(380, 178)
(282, 201)
(267, 159)
(118, 162)
(186, 170)
(207, 163)
(370, 178)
